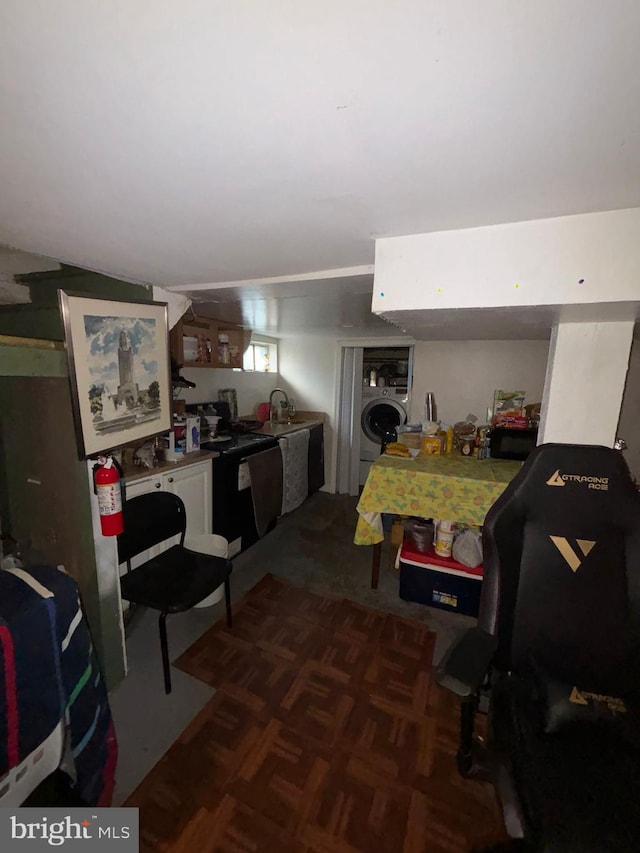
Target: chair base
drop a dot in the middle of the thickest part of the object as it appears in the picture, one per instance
(476, 763)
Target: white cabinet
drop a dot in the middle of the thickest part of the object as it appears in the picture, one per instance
(192, 483)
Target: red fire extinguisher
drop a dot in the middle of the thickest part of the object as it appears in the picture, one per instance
(106, 476)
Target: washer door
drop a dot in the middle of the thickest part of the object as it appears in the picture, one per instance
(380, 416)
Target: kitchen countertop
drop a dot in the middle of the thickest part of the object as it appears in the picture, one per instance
(138, 472)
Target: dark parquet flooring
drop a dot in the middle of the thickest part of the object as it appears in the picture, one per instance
(327, 733)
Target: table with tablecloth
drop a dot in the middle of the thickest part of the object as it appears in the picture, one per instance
(453, 487)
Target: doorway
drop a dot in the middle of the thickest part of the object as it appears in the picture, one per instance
(374, 379)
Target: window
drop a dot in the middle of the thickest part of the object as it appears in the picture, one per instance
(261, 357)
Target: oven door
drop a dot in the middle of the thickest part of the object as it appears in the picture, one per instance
(233, 514)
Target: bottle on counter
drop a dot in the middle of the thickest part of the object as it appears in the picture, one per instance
(449, 438)
(484, 444)
(224, 354)
(430, 408)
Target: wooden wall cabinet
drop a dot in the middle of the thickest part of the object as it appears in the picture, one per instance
(199, 343)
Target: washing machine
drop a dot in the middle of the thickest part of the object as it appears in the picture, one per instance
(382, 409)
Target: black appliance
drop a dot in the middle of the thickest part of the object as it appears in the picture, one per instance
(233, 514)
(509, 443)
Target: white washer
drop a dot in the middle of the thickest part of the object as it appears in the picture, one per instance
(382, 408)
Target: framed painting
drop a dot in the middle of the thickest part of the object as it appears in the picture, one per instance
(118, 354)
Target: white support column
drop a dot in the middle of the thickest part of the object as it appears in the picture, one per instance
(586, 375)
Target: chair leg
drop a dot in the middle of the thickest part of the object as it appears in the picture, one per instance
(164, 646)
(472, 757)
(467, 720)
(227, 598)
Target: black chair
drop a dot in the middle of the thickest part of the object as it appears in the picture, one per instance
(557, 654)
(176, 579)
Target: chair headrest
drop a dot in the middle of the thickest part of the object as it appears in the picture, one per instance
(583, 475)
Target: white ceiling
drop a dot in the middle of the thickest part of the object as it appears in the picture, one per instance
(217, 142)
(288, 308)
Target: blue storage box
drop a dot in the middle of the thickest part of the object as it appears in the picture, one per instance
(438, 581)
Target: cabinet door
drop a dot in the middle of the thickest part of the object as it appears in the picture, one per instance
(142, 487)
(197, 343)
(194, 344)
(193, 484)
(316, 458)
(235, 345)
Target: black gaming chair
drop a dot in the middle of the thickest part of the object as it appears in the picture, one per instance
(557, 654)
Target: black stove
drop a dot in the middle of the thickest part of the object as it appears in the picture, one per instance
(239, 443)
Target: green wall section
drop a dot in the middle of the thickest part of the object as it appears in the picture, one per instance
(46, 498)
(32, 361)
(41, 318)
(44, 488)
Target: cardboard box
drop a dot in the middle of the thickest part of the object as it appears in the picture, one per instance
(440, 582)
(410, 439)
(397, 532)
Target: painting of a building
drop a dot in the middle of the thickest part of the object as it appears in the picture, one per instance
(127, 393)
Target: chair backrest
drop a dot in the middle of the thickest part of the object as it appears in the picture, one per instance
(148, 520)
(562, 568)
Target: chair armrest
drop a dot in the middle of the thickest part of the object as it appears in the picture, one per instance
(466, 661)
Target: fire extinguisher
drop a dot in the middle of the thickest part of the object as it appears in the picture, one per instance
(106, 478)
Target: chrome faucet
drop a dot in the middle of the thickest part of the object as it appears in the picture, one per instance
(273, 410)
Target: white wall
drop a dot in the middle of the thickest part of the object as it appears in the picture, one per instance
(464, 374)
(628, 427)
(252, 388)
(307, 373)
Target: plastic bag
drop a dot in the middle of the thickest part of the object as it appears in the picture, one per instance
(467, 548)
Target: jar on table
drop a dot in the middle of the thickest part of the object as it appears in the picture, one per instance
(467, 444)
(444, 537)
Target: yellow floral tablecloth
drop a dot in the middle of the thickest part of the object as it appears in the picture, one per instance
(450, 487)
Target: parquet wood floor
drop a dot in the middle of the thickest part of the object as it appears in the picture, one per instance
(327, 734)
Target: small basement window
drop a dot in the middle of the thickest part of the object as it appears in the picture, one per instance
(261, 356)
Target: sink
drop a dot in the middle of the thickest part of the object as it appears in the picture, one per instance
(285, 426)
